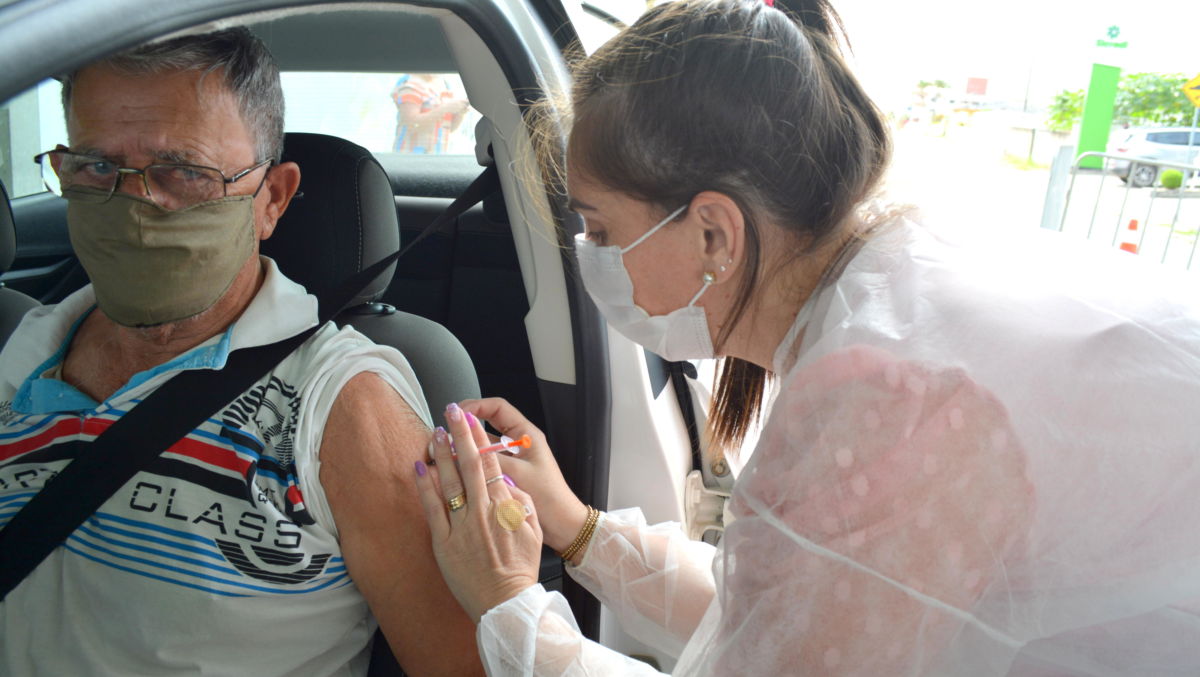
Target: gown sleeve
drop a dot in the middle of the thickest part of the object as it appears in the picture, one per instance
(657, 581)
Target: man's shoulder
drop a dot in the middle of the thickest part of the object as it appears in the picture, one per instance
(325, 365)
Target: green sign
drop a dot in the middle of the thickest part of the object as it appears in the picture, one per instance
(1098, 113)
(1110, 39)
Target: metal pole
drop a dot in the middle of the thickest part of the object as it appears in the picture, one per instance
(1096, 204)
(1187, 175)
(1062, 221)
(1182, 188)
(1192, 135)
(1124, 202)
(1175, 218)
(1146, 220)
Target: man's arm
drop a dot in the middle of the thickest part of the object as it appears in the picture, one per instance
(372, 439)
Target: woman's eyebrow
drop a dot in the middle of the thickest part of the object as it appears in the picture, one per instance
(575, 205)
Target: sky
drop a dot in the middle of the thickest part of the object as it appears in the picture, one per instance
(1039, 46)
(1023, 47)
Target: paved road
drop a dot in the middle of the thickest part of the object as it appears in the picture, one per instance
(963, 180)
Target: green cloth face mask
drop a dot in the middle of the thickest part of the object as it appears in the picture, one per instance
(150, 266)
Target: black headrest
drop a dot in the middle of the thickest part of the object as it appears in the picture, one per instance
(342, 220)
(8, 232)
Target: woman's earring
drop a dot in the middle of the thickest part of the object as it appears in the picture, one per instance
(722, 269)
(709, 277)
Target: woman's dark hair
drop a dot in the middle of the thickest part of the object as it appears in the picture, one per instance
(744, 99)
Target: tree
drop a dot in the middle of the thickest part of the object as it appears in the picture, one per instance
(924, 87)
(1065, 110)
(1142, 99)
(1153, 99)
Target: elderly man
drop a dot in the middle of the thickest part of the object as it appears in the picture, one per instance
(256, 544)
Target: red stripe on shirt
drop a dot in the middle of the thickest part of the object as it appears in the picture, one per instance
(211, 454)
(68, 427)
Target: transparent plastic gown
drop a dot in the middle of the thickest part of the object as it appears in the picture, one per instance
(981, 460)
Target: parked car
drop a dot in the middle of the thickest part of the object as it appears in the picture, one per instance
(1157, 144)
(500, 281)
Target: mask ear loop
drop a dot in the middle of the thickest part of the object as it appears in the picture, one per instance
(709, 278)
(648, 233)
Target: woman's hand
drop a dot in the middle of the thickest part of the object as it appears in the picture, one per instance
(489, 549)
(561, 514)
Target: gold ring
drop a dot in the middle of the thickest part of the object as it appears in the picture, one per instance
(456, 503)
(497, 478)
(511, 513)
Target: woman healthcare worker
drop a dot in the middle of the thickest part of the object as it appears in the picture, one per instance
(978, 461)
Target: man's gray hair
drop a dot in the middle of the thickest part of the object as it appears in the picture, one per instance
(246, 65)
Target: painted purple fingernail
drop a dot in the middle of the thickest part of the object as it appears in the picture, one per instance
(471, 420)
(420, 469)
(453, 413)
(509, 481)
(439, 434)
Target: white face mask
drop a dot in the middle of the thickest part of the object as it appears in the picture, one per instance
(679, 335)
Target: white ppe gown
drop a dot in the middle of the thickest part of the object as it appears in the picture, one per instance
(980, 461)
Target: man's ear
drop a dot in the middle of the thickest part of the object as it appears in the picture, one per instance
(724, 232)
(280, 186)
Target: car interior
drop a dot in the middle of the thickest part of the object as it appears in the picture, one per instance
(13, 304)
(491, 305)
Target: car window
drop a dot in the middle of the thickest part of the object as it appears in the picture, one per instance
(30, 123)
(1172, 138)
(596, 21)
(409, 113)
(1181, 138)
(362, 107)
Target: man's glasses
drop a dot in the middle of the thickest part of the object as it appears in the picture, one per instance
(171, 186)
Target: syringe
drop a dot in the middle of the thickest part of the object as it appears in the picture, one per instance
(506, 443)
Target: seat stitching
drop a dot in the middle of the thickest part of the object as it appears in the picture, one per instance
(358, 210)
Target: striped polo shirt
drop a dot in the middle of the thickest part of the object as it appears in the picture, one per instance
(221, 557)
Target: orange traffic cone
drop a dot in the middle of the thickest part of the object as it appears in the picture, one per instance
(1129, 242)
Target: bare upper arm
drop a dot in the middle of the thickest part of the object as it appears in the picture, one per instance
(372, 439)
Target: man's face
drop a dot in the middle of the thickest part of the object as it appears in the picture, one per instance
(175, 117)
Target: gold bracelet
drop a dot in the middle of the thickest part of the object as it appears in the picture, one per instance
(585, 535)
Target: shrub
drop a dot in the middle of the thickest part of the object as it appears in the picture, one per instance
(1171, 178)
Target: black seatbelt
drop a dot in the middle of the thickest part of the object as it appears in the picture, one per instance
(167, 415)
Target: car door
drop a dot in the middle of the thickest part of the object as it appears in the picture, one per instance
(602, 400)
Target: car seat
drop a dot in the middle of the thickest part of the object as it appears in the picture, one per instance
(342, 220)
(13, 304)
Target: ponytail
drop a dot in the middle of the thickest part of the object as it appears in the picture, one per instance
(817, 16)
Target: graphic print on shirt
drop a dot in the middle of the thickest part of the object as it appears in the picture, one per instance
(221, 510)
